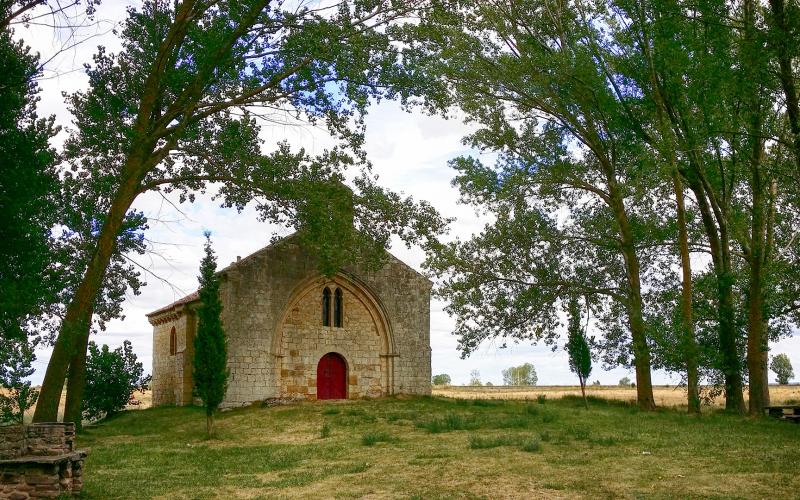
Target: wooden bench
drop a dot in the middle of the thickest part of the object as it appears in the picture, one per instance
(784, 412)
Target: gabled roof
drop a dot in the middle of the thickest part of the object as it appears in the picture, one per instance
(194, 296)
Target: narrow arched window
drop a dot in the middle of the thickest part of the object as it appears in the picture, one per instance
(173, 342)
(326, 307)
(337, 308)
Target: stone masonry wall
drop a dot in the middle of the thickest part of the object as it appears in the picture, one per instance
(304, 341)
(406, 296)
(171, 384)
(39, 461)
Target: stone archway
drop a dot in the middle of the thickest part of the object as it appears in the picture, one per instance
(365, 340)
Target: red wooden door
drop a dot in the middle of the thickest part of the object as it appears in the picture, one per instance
(331, 377)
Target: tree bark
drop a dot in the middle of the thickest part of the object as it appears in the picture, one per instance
(641, 351)
(717, 233)
(74, 333)
(781, 40)
(583, 391)
(756, 334)
(752, 73)
(687, 324)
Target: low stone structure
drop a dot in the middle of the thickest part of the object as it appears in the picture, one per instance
(40, 461)
(296, 334)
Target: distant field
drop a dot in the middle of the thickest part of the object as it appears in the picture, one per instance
(441, 448)
(666, 396)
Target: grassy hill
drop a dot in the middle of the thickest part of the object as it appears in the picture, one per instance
(441, 448)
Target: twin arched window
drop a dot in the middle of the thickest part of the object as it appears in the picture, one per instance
(338, 307)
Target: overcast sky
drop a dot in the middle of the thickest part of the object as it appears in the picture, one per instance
(410, 154)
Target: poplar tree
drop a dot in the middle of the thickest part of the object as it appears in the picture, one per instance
(580, 358)
(210, 372)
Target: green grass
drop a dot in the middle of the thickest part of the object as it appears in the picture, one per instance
(477, 442)
(370, 438)
(440, 448)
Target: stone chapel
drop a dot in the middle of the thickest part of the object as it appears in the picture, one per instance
(294, 333)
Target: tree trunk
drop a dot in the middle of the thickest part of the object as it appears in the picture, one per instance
(690, 343)
(641, 351)
(756, 335)
(717, 233)
(731, 364)
(69, 352)
(210, 425)
(752, 73)
(76, 381)
(781, 41)
(583, 391)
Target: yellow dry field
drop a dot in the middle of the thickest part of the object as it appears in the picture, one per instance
(665, 396)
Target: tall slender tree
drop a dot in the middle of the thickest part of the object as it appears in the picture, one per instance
(580, 357)
(210, 366)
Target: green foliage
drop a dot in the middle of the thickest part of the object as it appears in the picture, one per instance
(111, 379)
(580, 358)
(523, 375)
(624, 382)
(28, 194)
(541, 399)
(782, 367)
(17, 395)
(441, 379)
(210, 372)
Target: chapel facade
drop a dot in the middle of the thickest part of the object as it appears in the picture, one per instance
(294, 333)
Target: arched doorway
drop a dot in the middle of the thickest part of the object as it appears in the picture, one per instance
(331, 377)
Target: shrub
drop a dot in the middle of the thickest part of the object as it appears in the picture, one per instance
(441, 379)
(111, 379)
(624, 382)
(541, 399)
(19, 395)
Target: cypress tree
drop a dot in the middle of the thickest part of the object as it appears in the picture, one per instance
(210, 352)
(580, 358)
